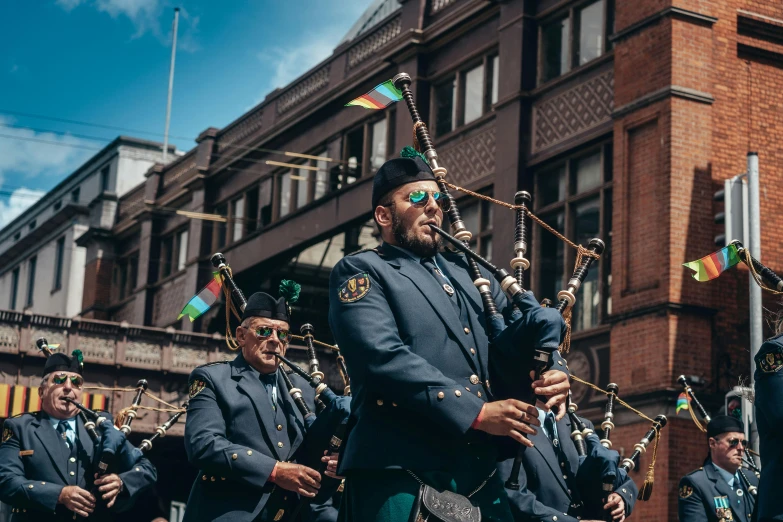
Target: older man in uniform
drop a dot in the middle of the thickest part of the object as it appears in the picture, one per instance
(46, 458)
(716, 492)
(411, 326)
(549, 488)
(769, 415)
(243, 429)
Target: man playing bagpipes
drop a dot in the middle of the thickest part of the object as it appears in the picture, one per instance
(48, 460)
(244, 432)
(411, 325)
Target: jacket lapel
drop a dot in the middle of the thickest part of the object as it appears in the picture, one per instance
(293, 414)
(432, 292)
(86, 449)
(53, 445)
(723, 488)
(543, 445)
(250, 384)
(564, 432)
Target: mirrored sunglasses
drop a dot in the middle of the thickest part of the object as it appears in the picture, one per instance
(734, 442)
(76, 380)
(264, 332)
(420, 198)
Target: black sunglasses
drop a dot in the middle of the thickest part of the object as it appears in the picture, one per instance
(420, 198)
(734, 442)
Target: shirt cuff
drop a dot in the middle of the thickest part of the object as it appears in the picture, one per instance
(273, 475)
(479, 418)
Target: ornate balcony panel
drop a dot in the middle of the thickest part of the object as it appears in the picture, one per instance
(169, 300)
(131, 203)
(183, 169)
(440, 5)
(572, 112)
(370, 43)
(143, 353)
(243, 129)
(299, 92)
(470, 156)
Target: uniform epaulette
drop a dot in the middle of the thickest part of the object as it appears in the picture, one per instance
(694, 471)
(213, 363)
(363, 250)
(23, 413)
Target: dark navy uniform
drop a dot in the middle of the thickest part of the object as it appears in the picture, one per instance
(769, 415)
(548, 490)
(235, 436)
(705, 491)
(416, 346)
(35, 465)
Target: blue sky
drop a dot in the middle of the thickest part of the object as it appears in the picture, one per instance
(107, 62)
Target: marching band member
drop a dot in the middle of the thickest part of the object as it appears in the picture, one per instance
(716, 492)
(46, 457)
(410, 323)
(243, 430)
(769, 414)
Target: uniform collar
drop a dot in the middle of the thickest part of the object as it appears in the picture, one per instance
(406, 252)
(71, 422)
(728, 476)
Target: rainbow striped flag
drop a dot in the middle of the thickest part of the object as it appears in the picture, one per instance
(379, 98)
(201, 302)
(682, 403)
(711, 266)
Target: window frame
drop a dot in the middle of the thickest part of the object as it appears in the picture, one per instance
(574, 31)
(15, 274)
(484, 233)
(567, 206)
(32, 265)
(59, 261)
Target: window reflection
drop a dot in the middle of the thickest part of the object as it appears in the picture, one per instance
(446, 108)
(474, 94)
(591, 32)
(378, 152)
(555, 53)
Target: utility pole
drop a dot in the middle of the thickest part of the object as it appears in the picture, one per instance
(171, 85)
(754, 245)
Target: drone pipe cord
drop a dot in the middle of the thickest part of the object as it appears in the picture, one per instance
(629, 463)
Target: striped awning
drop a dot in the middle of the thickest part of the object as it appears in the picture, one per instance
(16, 399)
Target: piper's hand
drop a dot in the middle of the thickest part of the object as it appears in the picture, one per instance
(616, 506)
(78, 500)
(109, 486)
(554, 385)
(297, 478)
(332, 461)
(510, 417)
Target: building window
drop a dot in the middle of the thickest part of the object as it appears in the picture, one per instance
(31, 226)
(467, 96)
(563, 48)
(75, 195)
(477, 216)
(354, 156)
(105, 179)
(14, 288)
(301, 177)
(182, 249)
(126, 273)
(31, 280)
(18, 236)
(378, 148)
(237, 218)
(166, 252)
(322, 176)
(57, 205)
(285, 195)
(574, 197)
(59, 258)
(251, 219)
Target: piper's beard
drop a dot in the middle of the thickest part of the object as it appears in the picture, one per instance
(426, 246)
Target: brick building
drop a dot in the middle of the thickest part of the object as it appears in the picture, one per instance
(621, 118)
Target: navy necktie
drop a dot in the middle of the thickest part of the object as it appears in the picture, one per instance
(62, 429)
(549, 426)
(270, 380)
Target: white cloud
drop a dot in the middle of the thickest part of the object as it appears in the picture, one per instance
(69, 5)
(21, 199)
(143, 13)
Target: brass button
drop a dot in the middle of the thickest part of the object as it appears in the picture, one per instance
(473, 351)
(458, 393)
(565, 477)
(279, 427)
(623, 490)
(72, 473)
(467, 330)
(487, 383)
(212, 479)
(474, 379)
(72, 459)
(203, 477)
(235, 456)
(560, 363)
(138, 469)
(379, 402)
(479, 394)
(441, 395)
(554, 518)
(394, 404)
(222, 478)
(562, 465)
(43, 483)
(249, 452)
(30, 486)
(279, 444)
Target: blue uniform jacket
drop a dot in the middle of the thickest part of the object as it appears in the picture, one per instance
(235, 438)
(418, 374)
(699, 489)
(769, 415)
(34, 468)
(544, 494)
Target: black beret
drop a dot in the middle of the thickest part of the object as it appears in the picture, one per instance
(397, 172)
(724, 424)
(261, 304)
(59, 362)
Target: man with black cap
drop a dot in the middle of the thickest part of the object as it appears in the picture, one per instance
(46, 457)
(243, 429)
(716, 492)
(412, 328)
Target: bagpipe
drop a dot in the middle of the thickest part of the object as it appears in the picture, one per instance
(325, 430)
(748, 463)
(630, 463)
(506, 349)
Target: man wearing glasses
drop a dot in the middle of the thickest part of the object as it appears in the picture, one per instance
(717, 492)
(243, 429)
(46, 457)
(411, 325)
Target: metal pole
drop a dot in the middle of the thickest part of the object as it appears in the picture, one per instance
(171, 85)
(754, 244)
